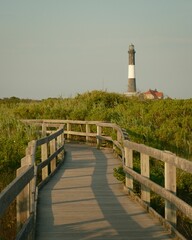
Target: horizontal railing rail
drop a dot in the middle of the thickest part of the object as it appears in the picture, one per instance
(164, 156)
(14, 188)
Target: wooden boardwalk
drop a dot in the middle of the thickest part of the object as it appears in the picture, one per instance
(83, 201)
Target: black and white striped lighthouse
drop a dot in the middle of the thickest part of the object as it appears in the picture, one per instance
(131, 71)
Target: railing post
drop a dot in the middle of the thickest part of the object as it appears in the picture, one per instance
(24, 200)
(98, 134)
(87, 132)
(52, 150)
(145, 171)
(119, 136)
(129, 163)
(68, 130)
(31, 157)
(59, 143)
(44, 152)
(23, 211)
(44, 130)
(170, 184)
(44, 156)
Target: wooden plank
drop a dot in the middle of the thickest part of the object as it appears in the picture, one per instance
(84, 201)
(44, 140)
(48, 160)
(52, 150)
(164, 156)
(80, 133)
(27, 229)
(170, 185)
(180, 204)
(129, 164)
(44, 156)
(145, 171)
(14, 188)
(22, 203)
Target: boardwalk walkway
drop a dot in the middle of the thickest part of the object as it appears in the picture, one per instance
(83, 201)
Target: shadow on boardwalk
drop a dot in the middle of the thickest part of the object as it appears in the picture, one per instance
(84, 201)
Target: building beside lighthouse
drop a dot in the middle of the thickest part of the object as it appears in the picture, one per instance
(131, 72)
(153, 94)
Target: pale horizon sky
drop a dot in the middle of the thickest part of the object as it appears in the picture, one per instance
(63, 47)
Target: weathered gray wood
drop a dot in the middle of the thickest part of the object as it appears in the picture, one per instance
(87, 132)
(68, 130)
(170, 185)
(43, 183)
(84, 201)
(101, 138)
(44, 156)
(28, 160)
(98, 134)
(119, 146)
(164, 156)
(144, 151)
(59, 143)
(24, 185)
(113, 126)
(58, 121)
(129, 163)
(49, 159)
(84, 134)
(14, 188)
(145, 171)
(23, 200)
(47, 139)
(180, 204)
(44, 129)
(27, 229)
(52, 150)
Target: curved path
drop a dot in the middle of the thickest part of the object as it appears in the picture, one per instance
(83, 201)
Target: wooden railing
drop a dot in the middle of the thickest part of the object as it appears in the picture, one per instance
(171, 163)
(98, 133)
(32, 174)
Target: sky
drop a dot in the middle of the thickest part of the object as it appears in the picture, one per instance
(61, 48)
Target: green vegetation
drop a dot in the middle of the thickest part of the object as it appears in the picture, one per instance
(13, 140)
(119, 174)
(163, 124)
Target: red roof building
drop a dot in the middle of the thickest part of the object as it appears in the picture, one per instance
(153, 94)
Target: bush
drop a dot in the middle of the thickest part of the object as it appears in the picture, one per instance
(119, 174)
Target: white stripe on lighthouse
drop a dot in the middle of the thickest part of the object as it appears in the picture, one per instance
(131, 71)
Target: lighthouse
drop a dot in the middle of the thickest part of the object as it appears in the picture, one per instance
(131, 71)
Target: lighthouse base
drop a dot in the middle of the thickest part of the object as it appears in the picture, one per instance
(131, 94)
(131, 85)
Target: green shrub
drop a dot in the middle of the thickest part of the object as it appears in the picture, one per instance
(119, 174)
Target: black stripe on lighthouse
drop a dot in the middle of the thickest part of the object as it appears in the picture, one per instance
(131, 70)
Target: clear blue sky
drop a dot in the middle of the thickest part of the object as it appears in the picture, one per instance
(54, 48)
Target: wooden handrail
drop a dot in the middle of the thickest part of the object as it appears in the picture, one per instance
(49, 159)
(120, 140)
(180, 204)
(44, 140)
(164, 156)
(14, 188)
(24, 187)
